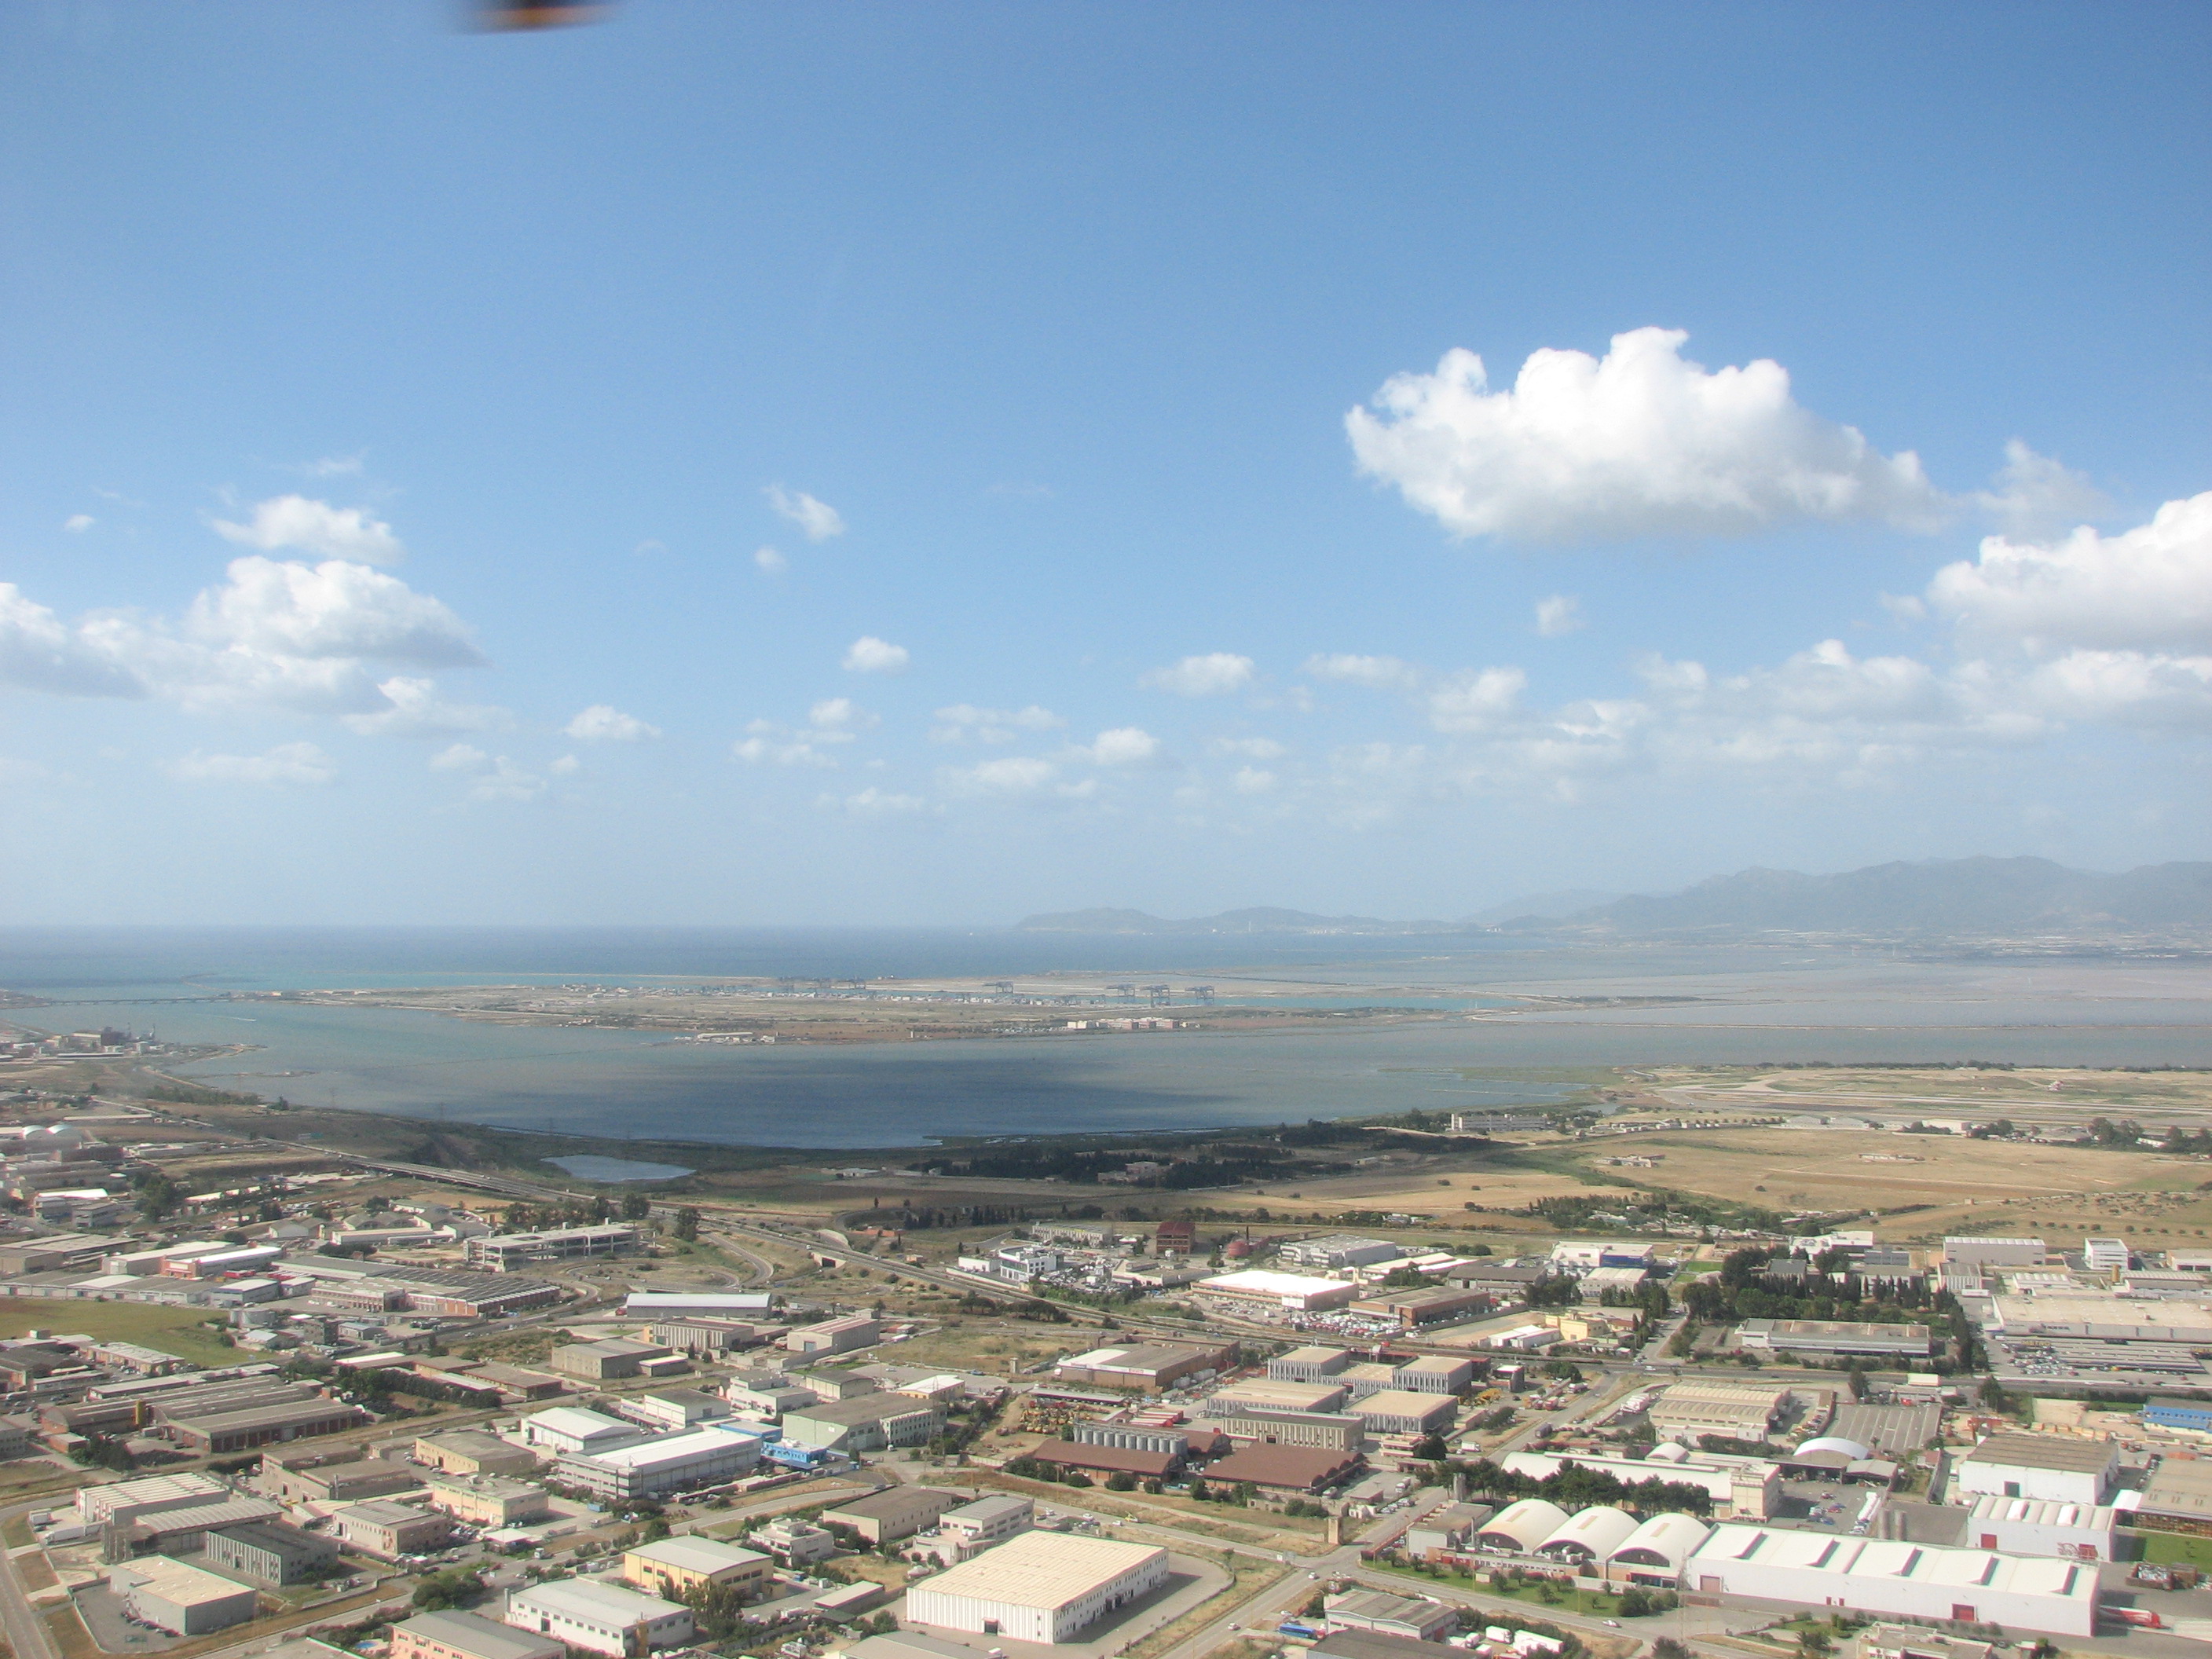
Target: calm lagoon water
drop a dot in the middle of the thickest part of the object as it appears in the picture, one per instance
(1747, 1006)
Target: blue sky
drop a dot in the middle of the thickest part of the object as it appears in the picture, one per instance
(891, 464)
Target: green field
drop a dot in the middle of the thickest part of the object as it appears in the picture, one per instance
(187, 1332)
(2177, 1548)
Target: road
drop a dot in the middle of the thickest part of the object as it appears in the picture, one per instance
(27, 1631)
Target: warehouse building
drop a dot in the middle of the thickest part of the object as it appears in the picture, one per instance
(1895, 1579)
(1288, 1470)
(1401, 1411)
(1445, 1530)
(868, 1424)
(607, 1619)
(989, 1521)
(1149, 1365)
(2059, 1469)
(466, 1636)
(2194, 1415)
(1265, 1395)
(1366, 1378)
(670, 1567)
(1415, 1617)
(1831, 1336)
(390, 1530)
(1434, 1373)
(1308, 1364)
(673, 1410)
(1131, 1437)
(341, 1476)
(702, 1336)
(270, 1551)
(1589, 1536)
(1108, 1460)
(466, 1452)
(1336, 1250)
(1656, 1553)
(179, 1532)
(886, 1516)
(666, 1463)
(1970, 1252)
(1739, 1411)
(1434, 1305)
(836, 1336)
(572, 1431)
(182, 1600)
(489, 1500)
(1324, 1430)
(241, 1431)
(604, 1362)
(508, 1252)
(2033, 1525)
(1040, 1586)
(1261, 1290)
(2178, 1497)
(1518, 1528)
(124, 1501)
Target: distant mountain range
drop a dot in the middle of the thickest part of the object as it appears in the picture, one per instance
(1939, 896)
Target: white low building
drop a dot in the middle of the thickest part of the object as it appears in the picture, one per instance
(1038, 1587)
(1894, 1579)
(2059, 1469)
(2033, 1525)
(666, 1463)
(600, 1618)
(568, 1430)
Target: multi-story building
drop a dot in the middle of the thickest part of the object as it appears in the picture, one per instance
(663, 1463)
(1337, 1250)
(673, 1567)
(270, 1551)
(507, 1252)
(390, 1530)
(489, 1500)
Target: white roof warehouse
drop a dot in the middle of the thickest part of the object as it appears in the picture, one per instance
(1039, 1587)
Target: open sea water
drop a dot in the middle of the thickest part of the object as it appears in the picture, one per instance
(1746, 1004)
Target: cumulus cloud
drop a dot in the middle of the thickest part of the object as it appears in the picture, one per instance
(603, 723)
(1257, 748)
(42, 653)
(1207, 676)
(507, 781)
(313, 526)
(2036, 496)
(964, 722)
(1124, 745)
(1476, 701)
(874, 803)
(1562, 613)
(336, 466)
(77, 523)
(412, 708)
(1253, 781)
(780, 751)
(459, 757)
(1377, 674)
(2145, 589)
(334, 609)
(1642, 442)
(769, 561)
(833, 721)
(1015, 774)
(870, 655)
(566, 766)
(287, 763)
(817, 520)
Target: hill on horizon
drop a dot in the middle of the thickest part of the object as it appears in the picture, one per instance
(1971, 895)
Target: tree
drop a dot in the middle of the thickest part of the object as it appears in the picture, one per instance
(453, 1587)
(636, 1206)
(1121, 1480)
(1432, 1448)
(687, 1224)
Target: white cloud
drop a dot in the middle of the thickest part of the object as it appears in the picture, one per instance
(336, 466)
(413, 708)
(770, 562)
(2127, 688)
(1562, 613)
(1476, 701)
(2036, 496)
(838, 718)
(507, 781)
(964, 722)
(817, 520)
(41, 652)
(335, 532)
(334, 609)
(1124, 745)
(1640, 443)
(287, 763)
(1015, 774)
(874, 803)
(764, 751)
(870, 655)
(603, 723)
(566, 766)
(1377, 673)
(1257, 748)
(2144, 589)
(459, 757)
(1203, 677)
(77, 523)
(1253, 781)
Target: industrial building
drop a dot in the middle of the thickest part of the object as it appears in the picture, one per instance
(1337, 1250)
(1265, 1395)
(179, 1532)
(869, 1423)
(604, 1362)
(663, 1463)
(124, 1501)
(1434, 1373)
(2178, 1497)
(622, 1623)
(390, 1530)
(489, 1500)
(2194, 1415)
(1431, 1304)
(1518, 1528)
(1308, 1364)
(1743, 1488)
(1970, 1252)
(896, 1512)
(268, 1553)
(2059, 1468)
(698, 1305)
(241, 1431)
(672, 1410)
(1329, 1431)
(1415, 1617)
(1149, 1365)
(1445, 1529)
(1655, 1554)
(1401, 1411)
(464, 1451)
(1257, 1289)
(1109, 1459)
(2034, 1526)
(1829, 1336)
(1589, 1536)
(989, 1521)
(1287, 1469)
(1896, 1579)
(2105, 1256)
(570, 1431)
(1739, 1411)
(184, 1601)
(340, 1476)
(466, 1636)
(670, 1566)
(1040, 1586)
(508, 1252)
(698, 1334)
(836, 1336)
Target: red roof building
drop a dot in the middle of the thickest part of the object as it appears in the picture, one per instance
(1110, 1460)
(1285, 1468)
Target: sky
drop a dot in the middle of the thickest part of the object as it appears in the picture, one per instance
(881, 464)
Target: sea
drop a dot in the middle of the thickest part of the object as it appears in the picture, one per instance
(1617, 1006)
